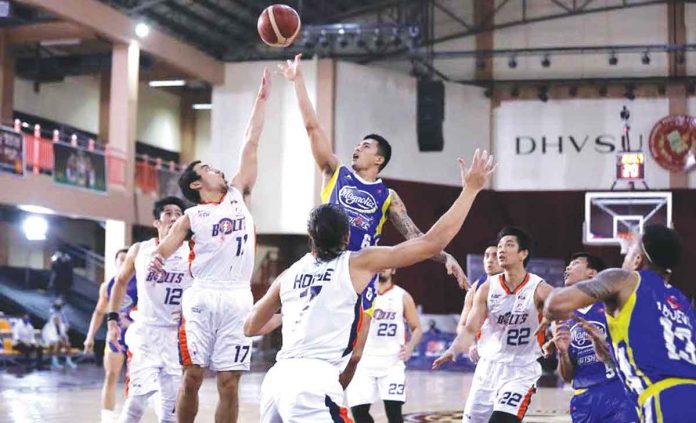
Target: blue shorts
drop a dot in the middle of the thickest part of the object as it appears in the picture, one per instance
(121, 342)
(605, 403)
(672, 405)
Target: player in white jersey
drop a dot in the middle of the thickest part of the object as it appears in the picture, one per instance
(153, 360)
(221, 263)
(381, 373)
(509, 304)
(319, 297)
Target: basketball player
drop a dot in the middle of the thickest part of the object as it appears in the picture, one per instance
(599, 394)
(509, 304)
(153, 360)
(381, 373)
(221, 263)
(358, 189)
(490, 267)
(651, 325)
(113, 358)
(320, 301)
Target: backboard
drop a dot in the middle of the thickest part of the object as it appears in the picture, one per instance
(612, 217)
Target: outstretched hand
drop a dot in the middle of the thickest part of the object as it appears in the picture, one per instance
(477, 175)
(292, 69)
(265, 88)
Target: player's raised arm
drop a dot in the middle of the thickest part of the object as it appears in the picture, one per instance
(177, 234)
(245, 178)
(365, 263)
(117, 293)
(611, 286)
(319, 141)
(403, 223)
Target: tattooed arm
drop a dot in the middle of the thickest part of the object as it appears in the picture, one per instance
(613, 286)
(403, 223)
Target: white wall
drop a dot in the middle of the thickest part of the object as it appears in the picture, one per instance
(203, 135)
(23, 253)
(370, 99)
(594, 167)
(75, 102)
(285, 189)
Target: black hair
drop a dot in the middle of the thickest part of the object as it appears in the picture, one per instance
(188, 176)
(593, 262)
(122, 250)
(383, 148)
(524, 240)
(662, 245)
(328, 229)
(166, 201)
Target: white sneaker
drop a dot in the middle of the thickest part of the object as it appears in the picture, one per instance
(108, 416)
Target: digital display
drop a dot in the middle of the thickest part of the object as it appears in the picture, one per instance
(630, 166)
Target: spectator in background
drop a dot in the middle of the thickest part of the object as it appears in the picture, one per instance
(432, 328)
(55, 337)
(24, 341)
(61, 273)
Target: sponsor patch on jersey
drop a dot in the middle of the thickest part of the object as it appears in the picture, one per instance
(580, 339)
(673, 302)
(356, 199)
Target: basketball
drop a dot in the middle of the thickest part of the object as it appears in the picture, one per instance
(278, 25)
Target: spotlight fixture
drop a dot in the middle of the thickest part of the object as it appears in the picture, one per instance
(142, 30)
(613, 59)
(512, 62)
(342, 40)
(544, 94)
(645, 59)
(546, 61)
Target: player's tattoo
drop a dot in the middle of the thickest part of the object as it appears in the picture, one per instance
(603, 286)
(403, 223)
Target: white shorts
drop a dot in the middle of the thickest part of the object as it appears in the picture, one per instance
(211, 333)
(300, 391)
(152, 354)
(377, 379)
(500, 387)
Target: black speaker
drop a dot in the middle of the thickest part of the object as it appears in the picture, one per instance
(431, 113)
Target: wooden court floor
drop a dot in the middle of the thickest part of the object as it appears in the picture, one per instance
(70, 396)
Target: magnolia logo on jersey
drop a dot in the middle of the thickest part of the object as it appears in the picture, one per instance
(580, 339)
(356, 199)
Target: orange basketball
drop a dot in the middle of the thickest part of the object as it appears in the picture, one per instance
(278, 25)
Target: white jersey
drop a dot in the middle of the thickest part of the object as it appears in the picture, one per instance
(387, 331)
(321, 310)
(512, 320)
(223, 242)
(159, 293)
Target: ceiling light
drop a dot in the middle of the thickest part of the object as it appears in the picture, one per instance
(202, 106)
(142, 30)
(170, 83)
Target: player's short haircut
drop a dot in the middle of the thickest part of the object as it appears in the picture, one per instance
(593, 262)
(662, 245)
(328, 229)
(383, 148)
(166, 201)
(188, 176)
(122, 250)
(524, 240)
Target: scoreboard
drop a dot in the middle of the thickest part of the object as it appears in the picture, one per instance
(630, 167)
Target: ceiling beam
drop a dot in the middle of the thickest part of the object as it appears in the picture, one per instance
(48, 31)
(119, 28)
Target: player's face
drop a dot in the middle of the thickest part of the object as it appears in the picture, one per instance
(120, 258)
(509, 253)
(366, 155)
(490, 261)
(634, 257)
(211, 179)
(168, 216)
(577, 271)
(386, 275)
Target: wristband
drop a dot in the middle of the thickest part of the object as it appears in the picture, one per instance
(112, 316)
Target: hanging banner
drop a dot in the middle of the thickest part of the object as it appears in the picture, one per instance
(79, 167)
(11, 151)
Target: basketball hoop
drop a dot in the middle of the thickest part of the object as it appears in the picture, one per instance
(625, 240)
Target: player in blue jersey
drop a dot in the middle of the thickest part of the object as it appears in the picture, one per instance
(599, 395)
(113, 358)
(651, 325)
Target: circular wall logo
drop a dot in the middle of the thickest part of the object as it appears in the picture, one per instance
(672, 140)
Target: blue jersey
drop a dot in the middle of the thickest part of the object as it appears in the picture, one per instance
(130, 299)
(590, 370)
(654, 339)
(365, 203)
